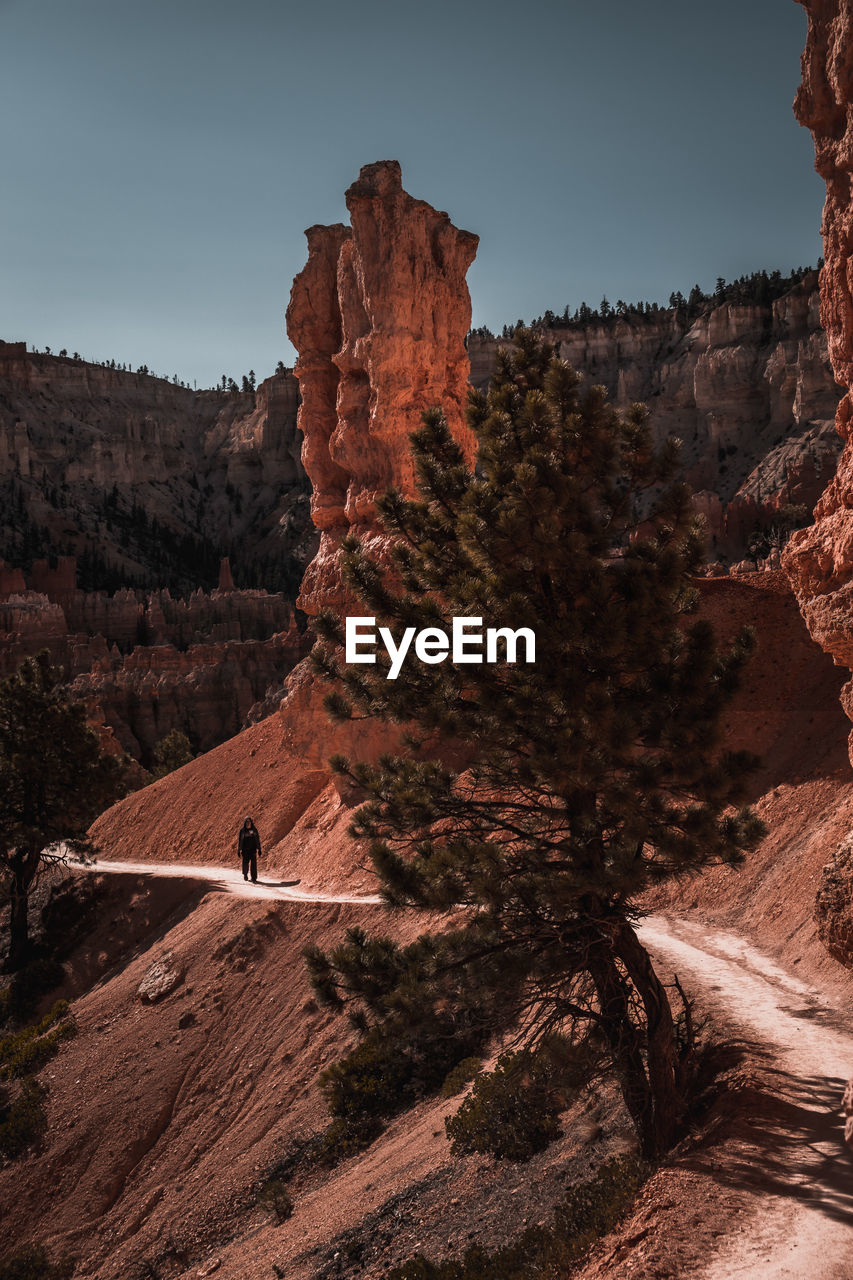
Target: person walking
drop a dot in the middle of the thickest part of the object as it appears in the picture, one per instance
(249, 849)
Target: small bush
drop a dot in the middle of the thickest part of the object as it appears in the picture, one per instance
(511, 1113)
(32, 1263)
(23, 1120)
(590, 1210)
(346, 1136)
(463, 1073)
(273, 1195)
(25, 1052)
(20, 998)
(172, 752)
(391, 1069)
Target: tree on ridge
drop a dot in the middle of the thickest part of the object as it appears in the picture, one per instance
(534, 803)
(54, 781)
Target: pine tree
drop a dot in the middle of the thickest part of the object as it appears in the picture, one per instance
(535, 802)
(172, 752)
(54, 781)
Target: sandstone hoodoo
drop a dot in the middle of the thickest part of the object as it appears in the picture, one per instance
(378, 316)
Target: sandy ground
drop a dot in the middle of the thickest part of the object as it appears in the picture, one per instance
(798, 1216)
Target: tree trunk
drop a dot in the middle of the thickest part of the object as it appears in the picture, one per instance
(24, 867)
(666, 1096)
(624, 1041)
(19, 932)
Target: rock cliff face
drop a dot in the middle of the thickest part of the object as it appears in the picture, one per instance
(819, 560)
(103, 462)
(379, 317)
(748, 389)
(153, 481)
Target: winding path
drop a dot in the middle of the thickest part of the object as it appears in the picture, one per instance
(799, 1177)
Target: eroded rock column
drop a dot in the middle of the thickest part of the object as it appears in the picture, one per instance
(378, 316)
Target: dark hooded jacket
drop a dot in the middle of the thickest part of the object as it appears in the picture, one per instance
(248, 842)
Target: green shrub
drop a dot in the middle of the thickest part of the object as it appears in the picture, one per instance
(273, 1195)
(32, 1263)
(391, 1068)
(456, 1080)
(19, 999)
(23, 1120)
(25, 1052)
(346, 1136)
(172, 752)
(590, 1210)
(511, 1112)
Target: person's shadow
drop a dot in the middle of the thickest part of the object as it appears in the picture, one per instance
(278, 884)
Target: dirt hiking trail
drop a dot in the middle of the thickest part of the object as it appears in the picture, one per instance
(225, 880)
(799, 1180)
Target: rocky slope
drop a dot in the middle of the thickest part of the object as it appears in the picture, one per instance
(153, 1157)
(149, 483)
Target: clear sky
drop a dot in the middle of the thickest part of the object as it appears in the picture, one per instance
(161, 158)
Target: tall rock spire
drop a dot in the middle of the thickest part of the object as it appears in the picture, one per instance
(378, 317)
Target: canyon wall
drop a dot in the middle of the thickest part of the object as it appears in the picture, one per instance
(152, 481)
(747, 388)
(147, 663)
(206, 691)
(819, 560)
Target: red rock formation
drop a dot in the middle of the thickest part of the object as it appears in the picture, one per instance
(199, 665)
(206, 691)
(11, 581)
(819, 560)
(226, 581)
(379, 317)
(57, 584)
